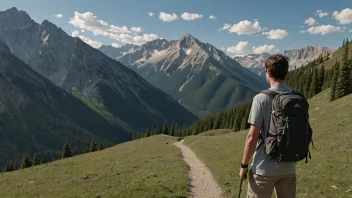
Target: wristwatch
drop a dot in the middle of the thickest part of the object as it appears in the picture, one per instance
(244, 166)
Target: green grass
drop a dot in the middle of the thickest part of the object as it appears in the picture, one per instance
(331, 163)
(151, 167)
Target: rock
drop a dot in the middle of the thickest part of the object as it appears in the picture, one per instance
(31, 182)
(86, 177)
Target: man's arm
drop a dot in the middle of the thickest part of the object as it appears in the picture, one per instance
(249, 148)
(251, 143)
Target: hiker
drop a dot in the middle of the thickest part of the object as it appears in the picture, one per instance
(274, 168)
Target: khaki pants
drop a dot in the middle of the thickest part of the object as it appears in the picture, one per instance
(263, 186)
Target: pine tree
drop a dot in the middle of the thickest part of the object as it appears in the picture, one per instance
(101, 146)
(158, 130)
(26, 161)
(343, 42)
(321, 78)
(217, 123)
(35, 160)
(93, 146)
(244, 123)
(66, 150)
(9, 166)
(173, 129)
(334, 81)
(165, 129)
(314, 84)
(344, 76)
(148, 133)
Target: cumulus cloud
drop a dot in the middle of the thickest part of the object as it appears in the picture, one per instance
(263, 48)
(302, 26)
(191, 16)
(87, 21)
(137, 40)
(83, 31)
(323, 29)
(243, 27)
(226, 26)
(350, 30)
(302, 31)
(321, 14)
(115, 45)
(276, 34)
(95, 44)
(310, 21)
(167, 17)
(75, 33)
(239, 49)
(136, 29)
(343, 17)
(212, 17)
(150, 14)
(59, 16)
(222, 49)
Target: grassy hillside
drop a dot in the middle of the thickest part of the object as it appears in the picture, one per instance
(328, 173)
(337, 56)
(151, 167)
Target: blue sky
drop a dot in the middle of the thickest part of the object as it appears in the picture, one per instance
(253, 25)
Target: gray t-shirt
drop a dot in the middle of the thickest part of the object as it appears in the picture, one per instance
(260, 116)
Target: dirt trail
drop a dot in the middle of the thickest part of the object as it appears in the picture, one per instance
(203, 184)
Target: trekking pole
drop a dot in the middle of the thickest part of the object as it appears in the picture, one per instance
(239, 192)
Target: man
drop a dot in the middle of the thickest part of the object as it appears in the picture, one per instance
(265, 174)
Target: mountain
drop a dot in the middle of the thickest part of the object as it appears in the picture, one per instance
(37, 116)
(198, 75)
(297, 57)
(114, 90)
(116, 53)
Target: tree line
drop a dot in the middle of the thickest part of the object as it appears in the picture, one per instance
(28, 161)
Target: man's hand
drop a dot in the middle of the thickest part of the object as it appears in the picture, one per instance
(243, 173)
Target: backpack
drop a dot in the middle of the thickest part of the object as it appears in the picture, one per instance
(289, 133)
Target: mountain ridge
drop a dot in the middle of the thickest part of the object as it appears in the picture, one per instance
(72, 64)
(190, 71)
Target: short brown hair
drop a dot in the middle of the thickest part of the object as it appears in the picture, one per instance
(277, 65)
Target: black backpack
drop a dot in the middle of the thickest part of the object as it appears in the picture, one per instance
(289, 133)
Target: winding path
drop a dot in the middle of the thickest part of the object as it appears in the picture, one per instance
(203, 184)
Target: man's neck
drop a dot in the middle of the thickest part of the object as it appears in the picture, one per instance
(276, 83)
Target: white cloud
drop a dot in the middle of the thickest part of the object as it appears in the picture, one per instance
(115, 45)
(75, 33)
(167, 17)
(239, 49)
(83, 31)
(90, 42)
(227, 26)
(263, 48)
(212, 17)
(323, 29)
(344, 17)
(345, 28)
(59, 16)
(136, 29)
(350, 30)
(321, 14)
(310, 21)
(244, 27)
(137, 40)
(150, 14)
(191, 16)
(87, 21)
(222, 49)
(302, 31)
(276, 34)
(302, 26)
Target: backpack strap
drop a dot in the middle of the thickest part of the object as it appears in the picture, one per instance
(270, 93)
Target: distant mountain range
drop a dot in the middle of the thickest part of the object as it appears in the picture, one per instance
(201, 77)
(117, 52)
(37, 116)
(125, 102)
(297, 58)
